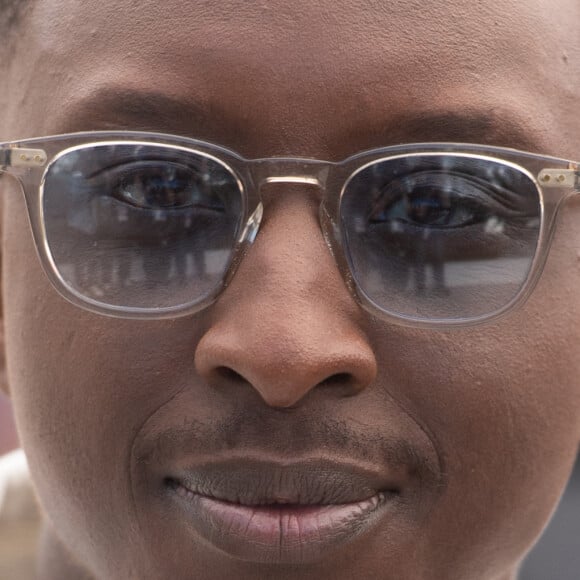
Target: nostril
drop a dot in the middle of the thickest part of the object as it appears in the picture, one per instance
(337, 380)
(340, 379)
(229, 374)
(340, 384)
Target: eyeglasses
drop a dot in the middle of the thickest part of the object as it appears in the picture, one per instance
(141, 225)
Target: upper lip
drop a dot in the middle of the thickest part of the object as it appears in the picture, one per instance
(254, 482)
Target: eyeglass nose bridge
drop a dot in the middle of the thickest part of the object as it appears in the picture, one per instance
(286, 170)
(267, 171)
(289, 170)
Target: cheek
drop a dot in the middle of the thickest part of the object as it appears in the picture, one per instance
(502, 402)
(82, 387)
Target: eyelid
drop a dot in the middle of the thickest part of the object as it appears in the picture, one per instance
(132, 162)
(470, 188)
(505, 200)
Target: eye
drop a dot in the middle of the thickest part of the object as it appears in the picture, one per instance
(432, 207)
(436, 199)
(164, 185)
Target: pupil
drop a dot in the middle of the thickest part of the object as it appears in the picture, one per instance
(428, 210)
(162, 187)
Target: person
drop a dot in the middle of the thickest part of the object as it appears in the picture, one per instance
(292, 415)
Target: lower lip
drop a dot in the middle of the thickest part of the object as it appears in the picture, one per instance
(289, 534)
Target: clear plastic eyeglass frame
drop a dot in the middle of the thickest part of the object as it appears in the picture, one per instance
(29, 160)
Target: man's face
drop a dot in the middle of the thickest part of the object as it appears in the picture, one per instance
(284, 389)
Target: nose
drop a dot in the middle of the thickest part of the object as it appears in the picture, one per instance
(287, 326)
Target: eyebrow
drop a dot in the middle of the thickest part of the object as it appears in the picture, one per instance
(126, 108)
(492, 126)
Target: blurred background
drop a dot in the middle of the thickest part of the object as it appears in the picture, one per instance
(556, 557)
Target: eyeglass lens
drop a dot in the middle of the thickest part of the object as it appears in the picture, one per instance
(140, 225)
(440, 236)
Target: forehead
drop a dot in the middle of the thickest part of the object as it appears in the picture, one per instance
(278, 73)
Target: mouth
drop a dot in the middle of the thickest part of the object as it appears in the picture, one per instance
(275, 512)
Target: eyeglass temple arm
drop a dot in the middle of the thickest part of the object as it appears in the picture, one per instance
(560, 178)
(20, 157)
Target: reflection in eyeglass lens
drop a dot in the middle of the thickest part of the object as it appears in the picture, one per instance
(141, 225)
(441, 236)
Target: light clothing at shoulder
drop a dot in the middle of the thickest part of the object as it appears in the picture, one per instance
(19, 519)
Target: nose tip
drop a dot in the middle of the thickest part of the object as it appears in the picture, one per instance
(282, 370)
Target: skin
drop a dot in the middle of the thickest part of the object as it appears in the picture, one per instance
(8, 440)
(493, 412)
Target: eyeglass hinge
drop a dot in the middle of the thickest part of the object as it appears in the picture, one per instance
(559, 178)
(17, 157)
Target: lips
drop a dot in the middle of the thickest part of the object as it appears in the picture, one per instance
(312, 482)
(281, 512)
